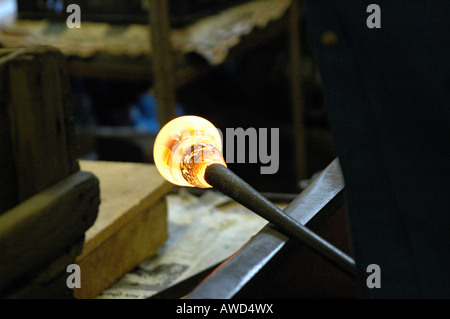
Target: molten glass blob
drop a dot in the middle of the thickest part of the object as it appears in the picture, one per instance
(184, 148)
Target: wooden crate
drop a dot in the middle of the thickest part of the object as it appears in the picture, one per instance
(46, 202)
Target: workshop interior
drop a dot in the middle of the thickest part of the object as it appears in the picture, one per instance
(94, 204)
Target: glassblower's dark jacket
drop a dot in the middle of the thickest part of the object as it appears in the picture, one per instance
(387, 92)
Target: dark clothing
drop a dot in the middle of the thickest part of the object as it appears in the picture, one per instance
(387, 93)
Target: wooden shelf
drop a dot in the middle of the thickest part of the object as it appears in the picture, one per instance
(160, 54)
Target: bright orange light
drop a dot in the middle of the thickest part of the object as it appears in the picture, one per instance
(184, 148)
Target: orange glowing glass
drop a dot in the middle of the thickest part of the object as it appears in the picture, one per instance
(184, 148)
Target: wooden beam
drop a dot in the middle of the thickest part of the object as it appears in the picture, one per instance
(41, 228)
(131, 224)
(162, 60)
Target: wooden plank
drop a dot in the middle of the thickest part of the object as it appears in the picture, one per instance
(38, 134)
(123, 251)
(37, 119)
(118, 67)
(8, 186)
(125, 190)
(272, 266)
(131, 225)
(40, 229)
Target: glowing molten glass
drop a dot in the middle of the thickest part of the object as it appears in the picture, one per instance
(184, 148)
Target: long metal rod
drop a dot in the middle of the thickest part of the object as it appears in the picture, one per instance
(224, 180)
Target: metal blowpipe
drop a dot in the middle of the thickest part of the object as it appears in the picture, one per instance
(188, 152)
